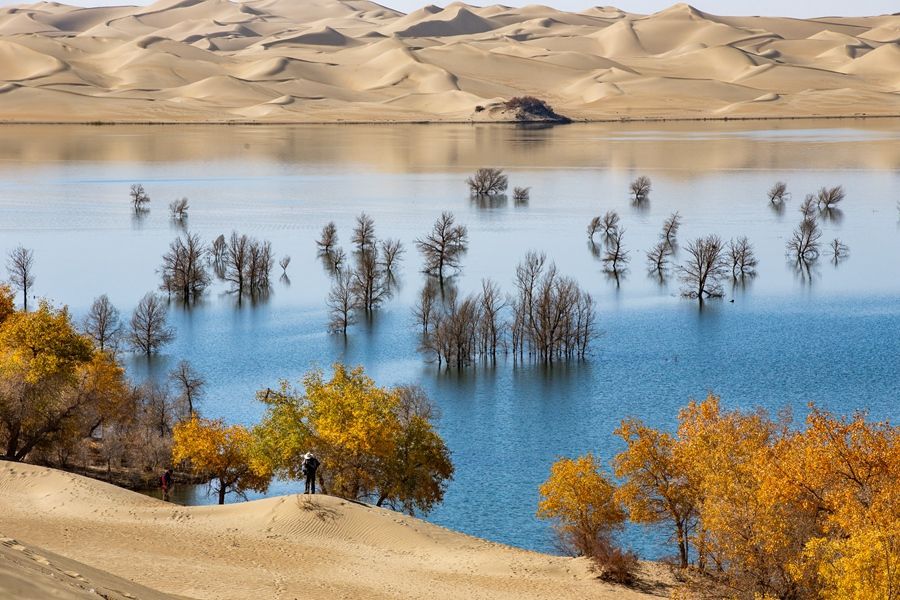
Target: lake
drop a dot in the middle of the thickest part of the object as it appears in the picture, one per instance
(786, 339)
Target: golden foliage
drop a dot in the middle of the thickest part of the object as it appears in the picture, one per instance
(223, 452)
(371, 442)
(582, 500)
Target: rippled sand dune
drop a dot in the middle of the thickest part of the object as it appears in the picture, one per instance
(354, 60)
(131, 546)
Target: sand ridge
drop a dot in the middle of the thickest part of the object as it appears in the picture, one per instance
(282, 547)
(355, 60)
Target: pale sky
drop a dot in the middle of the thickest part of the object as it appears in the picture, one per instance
(787, 8)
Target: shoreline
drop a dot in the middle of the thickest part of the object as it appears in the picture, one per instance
(536, 124)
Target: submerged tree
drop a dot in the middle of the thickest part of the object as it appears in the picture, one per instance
(606, 225)
(184, 268)
(103, 325)
(804, 243)
(839, 251)
(444, 246)
(328, 238)
(139, 197)
(658, 258)
(364, 233)
(391, 252)
(369, 284)
(704, 269)
(778, 193)
(284, 262)
(829, 198)
(521, 194)
(640, 189)
(248, 264)
(670, 229)
(615, 258)
(341, 303)
(808, 206)
(179, 209)
(742, 258)
(20, 267)
(149, 329)
(487, 182)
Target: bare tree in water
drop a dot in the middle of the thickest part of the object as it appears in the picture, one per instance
(743, 259)
(20, 267)
(521, 194)
(139, 197)
(184, 268)
(839, 251)
(487, 182)
(341, 303)
(615, 258)
(364, 233)
(391, 253)
(103, 324)
(328, 238)
(803, 246)
(829, 198)
(640, 189)
(658, 258)
(778, 193)
(444, 246)
(179, 209)
(149, 329)
(189, 385)
(670, 229)
(369, 284)
(704, 269)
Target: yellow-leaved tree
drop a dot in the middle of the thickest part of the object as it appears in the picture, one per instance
(656, 487)
(222, 452)
(581, 500)
(373, 443)
(43, 361)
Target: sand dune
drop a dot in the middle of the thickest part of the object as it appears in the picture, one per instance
(285, 547)
(355, 60)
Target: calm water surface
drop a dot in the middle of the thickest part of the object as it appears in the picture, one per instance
(785, 341)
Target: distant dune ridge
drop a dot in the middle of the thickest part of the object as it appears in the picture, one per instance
(66, 536)
(354, 60)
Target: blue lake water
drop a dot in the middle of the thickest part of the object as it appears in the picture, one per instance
(832, 338)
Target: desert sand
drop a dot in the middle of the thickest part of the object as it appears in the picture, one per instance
(354, 60)
(63, 534)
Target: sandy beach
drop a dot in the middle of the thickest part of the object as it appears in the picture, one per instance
(357, 61)
(65, 534)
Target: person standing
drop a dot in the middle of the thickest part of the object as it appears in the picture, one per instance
(166, 482)
(309, 466)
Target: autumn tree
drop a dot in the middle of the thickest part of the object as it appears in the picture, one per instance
(704, 269)
(148, 329)
(444, 246)
(655, 488)
(43, 364)
(487, 182)
(225, 453)
(20, 267)
(373, 443)
(103, 324)
(581, 500)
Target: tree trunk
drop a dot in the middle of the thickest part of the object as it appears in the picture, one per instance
(221, 492)
(682, 546)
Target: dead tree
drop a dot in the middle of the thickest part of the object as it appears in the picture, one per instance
(829, 198)
(328, 238)
(444, 246)
(219, 249)
(369, 284)
(804, 243)
(490, 325)
(605, 225)
(179, 209)
(839, 251)
(615, 257)
(778, 193)
(237, 258)
(704, 269)
(184, 268)
(341, 303)
(487, 182)
(284, 262)
(521, 194)
(189, 386)
(139, 197)
(391, 252)
(364, 233)
(670, 229)
(259, 265)
(593, 227)
(149, 329)
(426, 306)
(640, 189)
(336, 260)
(743, 259)
(658, 258)
(20, 267)
(103, 324)
(808, 206)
